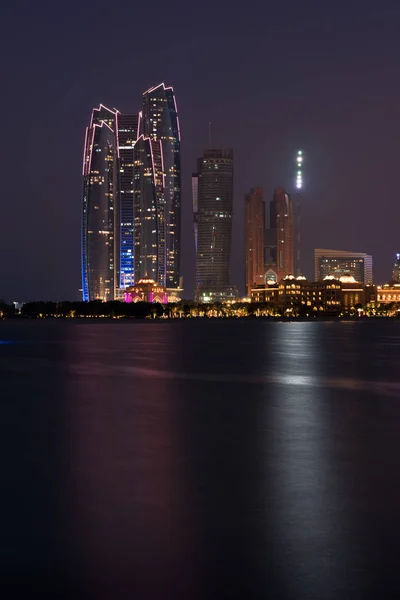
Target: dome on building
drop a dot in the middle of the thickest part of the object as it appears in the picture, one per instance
(146, 280)
(301, 278)
(146, 290)
(289, 277)
(328, 278)
(347, 279)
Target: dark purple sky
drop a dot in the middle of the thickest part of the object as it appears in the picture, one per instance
(271, 77)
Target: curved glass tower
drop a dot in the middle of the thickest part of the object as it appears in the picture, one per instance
(100, 191)
(160, 122)
(149, 211)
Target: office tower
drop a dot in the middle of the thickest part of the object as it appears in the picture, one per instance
(161, 122)
(281, 239)
(254, 238)
(128, 126)
(100, 204)
(342, 262)
(213, 222)
(149, 211)
(396, 268)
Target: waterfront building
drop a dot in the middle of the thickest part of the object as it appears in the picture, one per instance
(298, 296)
(160, 123)
(254, 238)
(149, 211)
(388, 293)
(341, 262)
(146, 290)
(128, 128)
(100, 205)
(213, 210)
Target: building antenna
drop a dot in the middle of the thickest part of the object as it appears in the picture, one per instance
(209, 134)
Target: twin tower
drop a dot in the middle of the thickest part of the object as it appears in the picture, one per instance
(132, 197)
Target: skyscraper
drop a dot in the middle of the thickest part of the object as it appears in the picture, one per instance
(161, 122)
(396, 268)
(342, 262)
(213, 222)
(280, 238)
(100, 205)
(149, 211)
(254, 238)
(128, 127)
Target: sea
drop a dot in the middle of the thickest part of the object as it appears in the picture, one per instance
(200, 459)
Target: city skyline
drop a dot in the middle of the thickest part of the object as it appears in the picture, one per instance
(313, 94)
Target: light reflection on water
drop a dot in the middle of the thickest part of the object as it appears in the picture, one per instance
(203, 459)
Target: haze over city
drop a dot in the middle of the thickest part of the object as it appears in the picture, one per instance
(270, 80)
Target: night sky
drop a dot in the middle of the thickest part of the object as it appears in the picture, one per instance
(272, 77)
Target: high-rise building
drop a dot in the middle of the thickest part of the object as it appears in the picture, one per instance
(149, 211)
(161, 122)
(214, 182)
(254, 238)
(100, 205)
(339, 263)
(396, 268)
(128, 128)
(280, 238)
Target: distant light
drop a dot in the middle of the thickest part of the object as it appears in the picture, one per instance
(299, 159)
(300, 153)
(298, 172)
(298, 185)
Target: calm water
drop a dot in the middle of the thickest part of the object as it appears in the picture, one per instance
(200, 459)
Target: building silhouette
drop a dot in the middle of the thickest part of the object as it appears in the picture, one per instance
(100, 205)
(213, 209)
(338, 263)
(254, 238)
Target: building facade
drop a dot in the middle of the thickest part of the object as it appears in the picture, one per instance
(279, 237)
(341, 262)
(149, 211)
(213, 183)
(160, 122)
(128, 128)
(254, 238)
(100, 206)
(146, 290)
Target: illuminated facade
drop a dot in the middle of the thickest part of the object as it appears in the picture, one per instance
(128, 126)
(146, 290)
(254, 238)
(160, 123)
(396, 268)
(213, 222)
(297, 296)
(149, 211)
(339, 263)
(100, 205)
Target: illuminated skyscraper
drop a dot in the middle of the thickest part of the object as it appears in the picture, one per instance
(149, 211)
(128, 126)
(100, 204)
(254, 238)
(213, 222)
(161, 122)
(396, 268)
